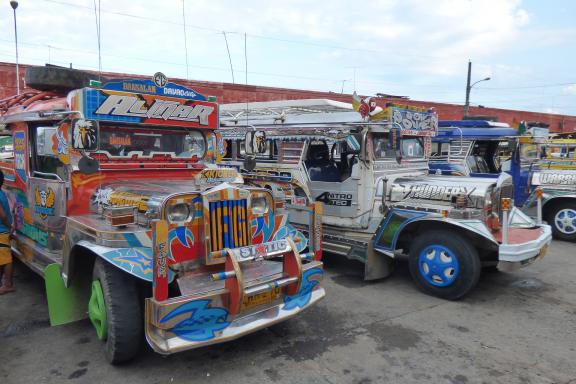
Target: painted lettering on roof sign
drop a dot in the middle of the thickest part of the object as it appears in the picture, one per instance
(159, 85)
(134, 106)
(144, 108)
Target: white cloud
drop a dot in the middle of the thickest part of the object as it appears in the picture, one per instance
(552, 110)
(404, 44)
(570, 89)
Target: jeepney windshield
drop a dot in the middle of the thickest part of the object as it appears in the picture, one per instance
(529, 152)
(412, 147)
(126, 141)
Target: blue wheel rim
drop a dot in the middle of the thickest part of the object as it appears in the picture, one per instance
(438, 265)
(565, 221)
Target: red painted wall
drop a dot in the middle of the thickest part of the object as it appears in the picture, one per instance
(234, 93)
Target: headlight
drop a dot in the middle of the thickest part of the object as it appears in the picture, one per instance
(488, 201)
(178, 212)
(259, 205)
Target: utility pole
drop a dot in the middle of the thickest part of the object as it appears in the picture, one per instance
(14, 5)
(468, 87)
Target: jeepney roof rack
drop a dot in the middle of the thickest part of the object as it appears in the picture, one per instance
(285, 112)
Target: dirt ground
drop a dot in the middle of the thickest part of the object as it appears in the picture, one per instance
(514, 328)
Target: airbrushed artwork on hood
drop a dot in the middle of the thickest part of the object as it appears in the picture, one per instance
(108, 196)
(430, 192)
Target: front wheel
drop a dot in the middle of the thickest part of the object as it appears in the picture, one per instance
(562, 218)
(444, 264)
(114, 310)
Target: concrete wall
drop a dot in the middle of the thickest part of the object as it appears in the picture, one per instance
(233, 93)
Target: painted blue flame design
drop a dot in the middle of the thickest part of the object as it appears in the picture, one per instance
(203, 322)
(303, 296)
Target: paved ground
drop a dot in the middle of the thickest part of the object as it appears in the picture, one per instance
(514, 328)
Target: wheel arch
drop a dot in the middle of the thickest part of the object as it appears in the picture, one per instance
(83, 254)
(487, 250)
(555, 201)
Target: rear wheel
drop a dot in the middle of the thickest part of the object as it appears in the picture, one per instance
(114, 310)
(562, 218)
(444, 264)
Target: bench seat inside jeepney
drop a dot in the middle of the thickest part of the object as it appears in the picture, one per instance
(320, 166)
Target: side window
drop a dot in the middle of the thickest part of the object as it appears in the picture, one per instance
(289, 152)
(6, 148)
(440, 149)
(46, 163)
(270, 153)
(471, 161)
(228, 145)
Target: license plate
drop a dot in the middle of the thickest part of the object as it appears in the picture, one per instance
(543, 251)
(260, 299)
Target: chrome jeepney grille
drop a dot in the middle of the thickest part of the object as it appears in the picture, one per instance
(228, 224)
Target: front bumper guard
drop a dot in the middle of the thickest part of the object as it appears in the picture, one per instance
(240, 301)
(513, 255)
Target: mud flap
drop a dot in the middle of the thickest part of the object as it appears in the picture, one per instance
(65, 305)
(377, 266)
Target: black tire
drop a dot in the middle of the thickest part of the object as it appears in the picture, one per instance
(51, 78)
(550, 217)
(123, 312)
(467, 262)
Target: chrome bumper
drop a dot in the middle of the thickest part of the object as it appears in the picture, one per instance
(184, 323)
(514, 256)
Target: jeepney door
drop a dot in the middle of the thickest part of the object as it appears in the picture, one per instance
(46, 190)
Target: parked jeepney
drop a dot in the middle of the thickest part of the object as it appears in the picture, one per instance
(474, 148)
(369, 166)
(558, 154)
(119, 206)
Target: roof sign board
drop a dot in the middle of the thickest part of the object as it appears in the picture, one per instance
(155, 102)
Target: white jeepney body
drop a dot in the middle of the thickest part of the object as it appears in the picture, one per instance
(324, 150)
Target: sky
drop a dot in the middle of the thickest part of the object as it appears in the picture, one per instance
(413, 48)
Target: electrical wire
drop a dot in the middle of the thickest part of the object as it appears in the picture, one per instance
(185, 39)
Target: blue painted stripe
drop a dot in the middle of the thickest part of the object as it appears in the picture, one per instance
(225, 221)
(132, 240)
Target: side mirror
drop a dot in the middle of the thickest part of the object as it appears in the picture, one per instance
(255, 142)
(85, 135)
(88, 166)
(396, 143)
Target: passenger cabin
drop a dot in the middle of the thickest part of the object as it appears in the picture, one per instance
(474, 148)
(323, 150)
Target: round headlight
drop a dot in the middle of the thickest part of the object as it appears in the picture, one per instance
(178, 212)
(259, 205)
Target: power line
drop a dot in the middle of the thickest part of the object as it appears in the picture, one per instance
(529, 86)
(284, 40)
(185, 39)
(229, 57)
